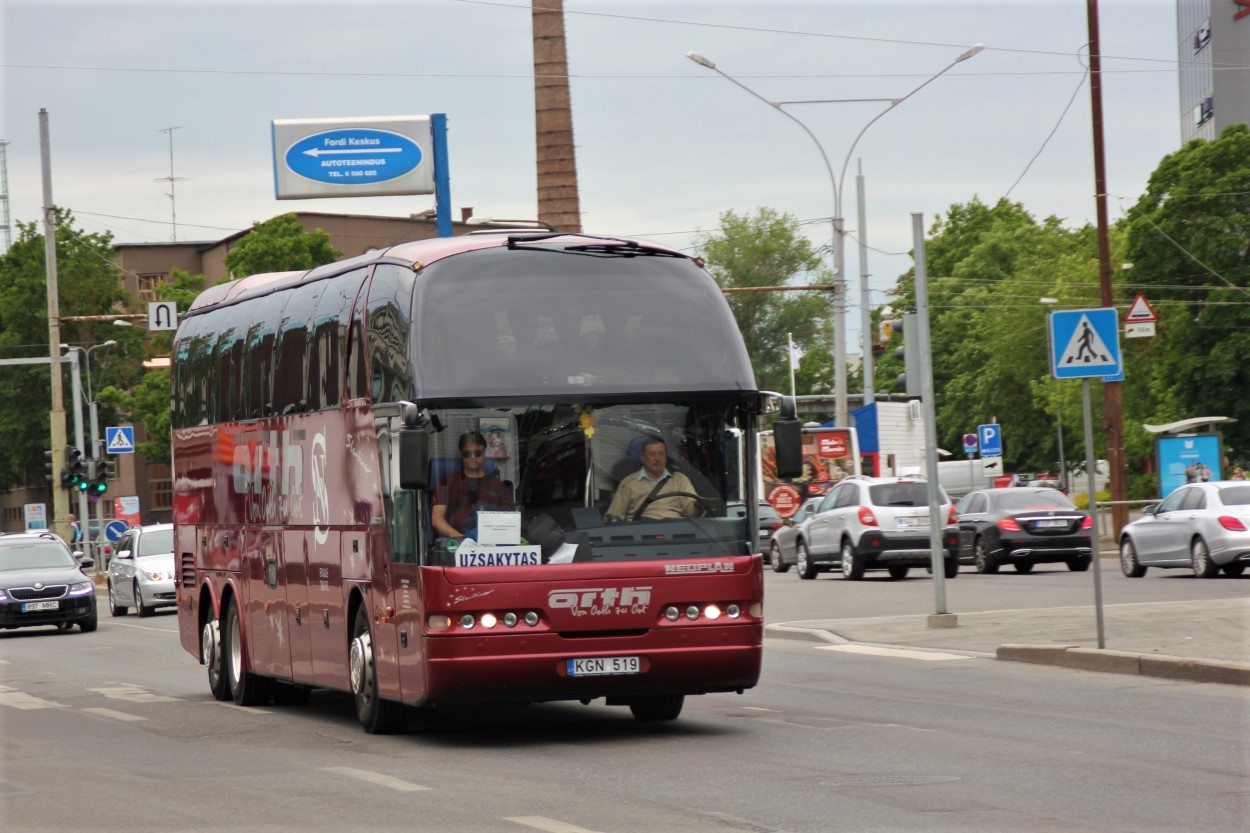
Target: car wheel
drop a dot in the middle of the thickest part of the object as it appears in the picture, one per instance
(775, 558)
(852, 567)
(143, 610)
(246, 688)
(1200, 556)
(654, 709)
(1025, 567)
(950, 567)
(898, 571)
(1079, 564)
(214, 659)
(981, 557)
(114, 608)
(90, 623)
(807, 570)
(1233, 570)
(377, 716)
(1129, 565)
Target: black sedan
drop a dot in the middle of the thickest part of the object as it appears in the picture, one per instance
(1022, 526)
(43, 583)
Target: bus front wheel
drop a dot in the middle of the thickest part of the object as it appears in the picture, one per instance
(377, 716)
(654, 709)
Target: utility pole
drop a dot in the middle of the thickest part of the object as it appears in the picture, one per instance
(1112, 401)
(6, 228)
(558, 203)
(60, 500)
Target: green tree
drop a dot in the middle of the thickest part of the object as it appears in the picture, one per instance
(88, 284)
(1188, 238)
(146, 400)
(767, 250)
(280, 245)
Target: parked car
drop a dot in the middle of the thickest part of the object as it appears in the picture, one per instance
(42, 583)
(1202, 526)
(783, 549)
(1022, 526)
(876, 523)
(141, 571)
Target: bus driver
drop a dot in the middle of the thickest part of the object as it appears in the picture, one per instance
(461, 494)
(642, 495)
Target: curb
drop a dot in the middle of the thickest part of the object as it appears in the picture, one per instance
(1128, 662)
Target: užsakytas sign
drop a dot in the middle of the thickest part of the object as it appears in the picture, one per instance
(365, 157)
(470, 553)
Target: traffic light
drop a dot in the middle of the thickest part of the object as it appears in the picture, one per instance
(75, 475)
(909, 379)
(47, 465)
(98, 475)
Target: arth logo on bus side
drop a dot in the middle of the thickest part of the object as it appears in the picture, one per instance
(601, 601)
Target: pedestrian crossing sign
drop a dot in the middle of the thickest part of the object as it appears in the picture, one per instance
(119, 439)
(1085, 344)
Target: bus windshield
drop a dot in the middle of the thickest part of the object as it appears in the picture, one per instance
(557, 321)
(584, 483)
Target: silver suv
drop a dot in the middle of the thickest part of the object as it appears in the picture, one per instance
(877, 523)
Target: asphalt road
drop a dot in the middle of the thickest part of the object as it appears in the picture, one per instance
(115, 730)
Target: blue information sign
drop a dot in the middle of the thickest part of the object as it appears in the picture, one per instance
(114, 530)
(1085, 344)
(353, 156)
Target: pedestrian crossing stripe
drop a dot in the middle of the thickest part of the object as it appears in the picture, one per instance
(120, 440)
(1086, 348)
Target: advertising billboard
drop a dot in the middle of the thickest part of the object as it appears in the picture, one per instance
(1191, 459)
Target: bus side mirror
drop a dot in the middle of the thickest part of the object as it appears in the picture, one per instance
(414, 459)
(788, 444)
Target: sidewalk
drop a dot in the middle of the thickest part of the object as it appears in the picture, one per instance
(1205, 641)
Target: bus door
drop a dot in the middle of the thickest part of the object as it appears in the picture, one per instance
(400, 592)
(295, 544)
(325, 622)
(263, 572)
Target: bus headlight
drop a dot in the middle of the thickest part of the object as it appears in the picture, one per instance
(438, 621)
(692, 612)
(531, 619)
(671, 613)
(467, 621)
(733, 611)
(712, 612)
(509, 620)
(489, 620)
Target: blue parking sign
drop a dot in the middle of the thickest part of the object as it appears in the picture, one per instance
(991, 439)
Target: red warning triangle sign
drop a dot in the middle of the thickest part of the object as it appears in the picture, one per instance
(1140, 311)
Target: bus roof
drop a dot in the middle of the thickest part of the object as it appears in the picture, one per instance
(417, 253)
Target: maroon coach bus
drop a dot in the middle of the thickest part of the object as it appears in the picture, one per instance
(332, 429)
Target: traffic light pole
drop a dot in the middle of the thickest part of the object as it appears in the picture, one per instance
(99, 504)
(83, 525)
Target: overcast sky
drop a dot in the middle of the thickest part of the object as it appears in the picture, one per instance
(663, 145)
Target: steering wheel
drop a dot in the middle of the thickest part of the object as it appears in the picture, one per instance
(707, 508)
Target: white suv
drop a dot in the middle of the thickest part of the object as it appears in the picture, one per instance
(877, 523)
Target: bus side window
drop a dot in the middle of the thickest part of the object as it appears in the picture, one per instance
(290, 375)
(200, 396)
(266, 314)
(184, 379)
(329, 330)
(390, 298)
(357, 371)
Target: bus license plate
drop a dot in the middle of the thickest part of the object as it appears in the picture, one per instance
(27, 607)
(602, 666)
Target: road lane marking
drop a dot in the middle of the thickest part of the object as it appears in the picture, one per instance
(902, 653)
(134, 694)
(249, 709)
(377, 778)
(114, 715)
(15, 699)
(549, 825)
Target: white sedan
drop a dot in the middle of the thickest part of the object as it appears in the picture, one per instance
(1204, 527)
(141, 571)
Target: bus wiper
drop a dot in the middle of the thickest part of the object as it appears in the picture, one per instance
(603, 247)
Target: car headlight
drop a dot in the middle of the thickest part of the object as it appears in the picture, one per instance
(81, 588)
(157, 575)
(4, 597)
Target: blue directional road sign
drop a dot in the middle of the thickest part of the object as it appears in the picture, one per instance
(114, 530)
(119, 439)
(1085, 344)
(363, 157)
(991, 440)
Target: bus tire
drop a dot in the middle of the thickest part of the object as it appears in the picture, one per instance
(377, 716)
(656, 709)
(246, 688)
(214, 659)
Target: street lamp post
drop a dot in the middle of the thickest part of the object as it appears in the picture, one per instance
(839, 233)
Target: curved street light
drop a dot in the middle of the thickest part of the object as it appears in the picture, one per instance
(839, 234)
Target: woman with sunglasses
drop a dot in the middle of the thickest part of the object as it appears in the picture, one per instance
(460, 495)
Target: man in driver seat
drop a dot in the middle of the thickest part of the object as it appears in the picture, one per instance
(654, 493)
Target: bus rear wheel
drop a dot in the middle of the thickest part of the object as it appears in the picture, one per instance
(246, 688)
(214, 659)
(655, 709)
(377, 716)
